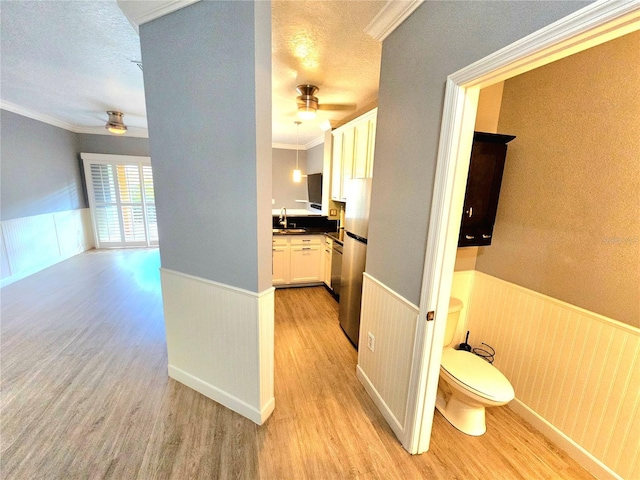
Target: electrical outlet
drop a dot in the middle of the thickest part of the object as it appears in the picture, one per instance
(273, 201)
(371, 341)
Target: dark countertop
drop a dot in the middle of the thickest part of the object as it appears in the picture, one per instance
(336, 236)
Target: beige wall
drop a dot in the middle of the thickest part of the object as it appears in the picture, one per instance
(568, 222)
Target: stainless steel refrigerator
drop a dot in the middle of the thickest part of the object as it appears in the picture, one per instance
(356, 228)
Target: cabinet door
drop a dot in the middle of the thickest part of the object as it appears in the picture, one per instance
(483, 190)
(336, 168)
(327, 265)
(361, 150)
(280, 266)
(370, 150)
(348, 138)
(306, 264)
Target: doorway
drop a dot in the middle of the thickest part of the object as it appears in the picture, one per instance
(592, 26)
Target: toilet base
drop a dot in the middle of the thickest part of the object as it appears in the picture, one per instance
(469, 419)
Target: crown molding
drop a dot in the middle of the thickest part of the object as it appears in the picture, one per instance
(390, 17)
(292, 146)
(41, 117)
(139, 13)
(315, 143)
(137, 132)
(285, 146)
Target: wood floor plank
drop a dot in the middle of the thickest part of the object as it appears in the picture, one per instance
(85, 394)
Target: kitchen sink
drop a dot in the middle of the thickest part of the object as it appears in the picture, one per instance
(289, 230)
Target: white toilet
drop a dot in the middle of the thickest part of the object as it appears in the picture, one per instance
(468, 384)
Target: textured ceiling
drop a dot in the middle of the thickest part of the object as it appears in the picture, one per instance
(72, 60)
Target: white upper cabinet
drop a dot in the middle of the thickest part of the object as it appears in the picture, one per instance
(353, 145)
(336, 168)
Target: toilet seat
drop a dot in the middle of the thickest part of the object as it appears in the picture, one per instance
(476, 375)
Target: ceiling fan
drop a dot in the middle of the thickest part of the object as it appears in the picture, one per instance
(308, 103)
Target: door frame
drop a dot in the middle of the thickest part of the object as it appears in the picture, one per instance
(588, 27)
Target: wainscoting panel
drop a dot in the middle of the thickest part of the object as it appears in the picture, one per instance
(577, 370)
(5, 269)
(386, 371)
(31, 244)
(220, 342)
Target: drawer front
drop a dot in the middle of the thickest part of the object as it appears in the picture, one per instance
(328, 241)
(306, 239)
(280, 240)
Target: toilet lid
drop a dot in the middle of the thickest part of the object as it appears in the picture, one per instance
(477, 374)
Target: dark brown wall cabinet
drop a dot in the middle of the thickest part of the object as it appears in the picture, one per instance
(483, 188)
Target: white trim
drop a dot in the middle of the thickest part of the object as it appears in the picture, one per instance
(315, 142)
(222, 397)
(390, 17)
(110, 158)
(25, 112)
(380, 403)
(224, 286)
(292, 146)
(286, 146)
(138, 13)
(135, 132)
(593, 24)
(594, 466)
(392, 293)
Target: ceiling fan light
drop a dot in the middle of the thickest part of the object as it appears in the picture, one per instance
(115, 124)
(306, 113)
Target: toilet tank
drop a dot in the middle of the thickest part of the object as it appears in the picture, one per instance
(455, 306)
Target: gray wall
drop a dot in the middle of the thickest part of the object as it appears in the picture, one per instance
(315, 159)
(438, 39)
(113, 145)
(40, 170)
(208, 153)
(285, 192)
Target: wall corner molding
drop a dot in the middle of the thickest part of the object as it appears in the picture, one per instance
(25, 112)
(139, 13)
(390, 17)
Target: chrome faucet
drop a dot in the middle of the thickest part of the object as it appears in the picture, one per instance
(283, 217)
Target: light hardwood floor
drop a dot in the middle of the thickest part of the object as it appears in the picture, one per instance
(85, 394)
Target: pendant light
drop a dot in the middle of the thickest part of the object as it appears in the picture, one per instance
(297, 174)
(115, 124)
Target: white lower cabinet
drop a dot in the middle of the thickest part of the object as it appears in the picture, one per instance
(297, 259)
(281, 259)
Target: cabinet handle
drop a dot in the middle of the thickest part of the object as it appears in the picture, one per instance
(307, 240)
(486, 236)
(327, 251)
(469, 212)
(469, 237)
(306, 248)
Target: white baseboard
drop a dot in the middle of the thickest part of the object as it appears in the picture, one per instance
(222, 397)
(397, 428)
(594, 466)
